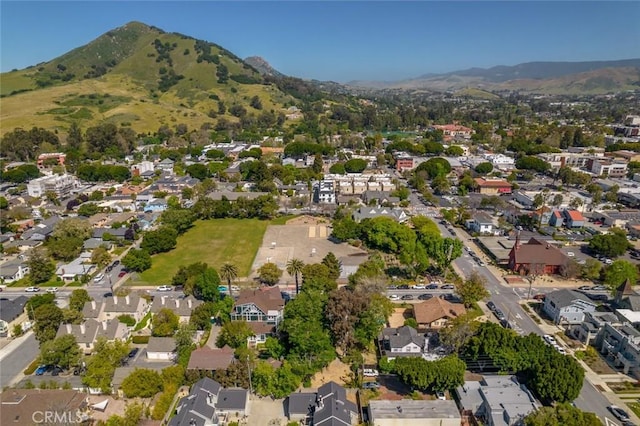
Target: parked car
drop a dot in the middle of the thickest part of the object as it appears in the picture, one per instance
(164, 288)
(540, 297)
(394, 297)
(392, 287)
(598, 297)
(370, 372)
(122, 274)
(599, 288)
(431, 286)
(55, 371)
(491, 305)
(370, 385)
(571, 254)
(52, 290)
(42, 369)
(481, 263)
(425, 296)
(133, 352)
(403, 287)
(32, 289)
(585, 288)
(441, 395)
(419, 287)
(549, 339)
(407, 297)
(500, 315)
(448, 287)
(618, 413)
(98, 278)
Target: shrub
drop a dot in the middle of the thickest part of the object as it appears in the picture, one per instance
(32, 367)
(127, 320)
(140, 339)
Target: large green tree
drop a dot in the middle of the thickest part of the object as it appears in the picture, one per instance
(206, 285)
(164, 323)
(229, 272)
(611, 245)
(234, 334)
(78, 298)
(294, 268)
(561, 415)
(62, 351)
(141, 383)
(103, 362)
(472, 289)
(441, 375)
(48, 318)
(269, 273)
(137, 260)
(40, 267)
(161, 240)
(618, 272)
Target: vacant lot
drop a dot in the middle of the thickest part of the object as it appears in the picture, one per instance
(213, 242)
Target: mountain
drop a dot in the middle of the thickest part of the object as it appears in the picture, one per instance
(140, 76)
(262, 66)
(538, 77)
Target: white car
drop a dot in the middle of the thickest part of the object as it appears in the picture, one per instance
(52, 290)
(235, 288)
(98, 278)
(32, 289)
(549, 339)
(164, 288)
(370, 372)
(571, 254)
(394, 297)
(419, 287)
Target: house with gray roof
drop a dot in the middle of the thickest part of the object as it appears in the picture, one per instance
(401, 342)
(593, 322)
(208, 403)
(409, 412)
(328, 406)
(12, 309)
(395, 213)
(620, 344)
(90, 331)
(161, 348)
(497, 400)
(94, 243)
(114, 306)
(567, 306)
(179, 305)
(13, 271)
(74, 270)
(114, 232)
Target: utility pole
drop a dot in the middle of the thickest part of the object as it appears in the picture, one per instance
(250, 384)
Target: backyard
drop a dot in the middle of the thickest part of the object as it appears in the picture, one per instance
(213, 242)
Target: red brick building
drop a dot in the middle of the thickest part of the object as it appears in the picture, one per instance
(536, 258)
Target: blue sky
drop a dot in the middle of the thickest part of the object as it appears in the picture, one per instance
(343, 41)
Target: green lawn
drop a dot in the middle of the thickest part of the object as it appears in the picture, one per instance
(213, 242)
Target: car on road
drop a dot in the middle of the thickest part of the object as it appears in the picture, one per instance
(52, 290)
(500, 315)
(370, 385)
(165, 288)
(425, 296)
(394, 297)
(407, 297)
(432, 286)
(32, 289)
(491, 305)
(98, 278)
(599, 288)
(618, 413)
(448, 287)
(370, 372)
(586, 287)
(481, 263)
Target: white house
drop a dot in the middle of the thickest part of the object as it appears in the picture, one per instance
(161, 349)
(567, 306)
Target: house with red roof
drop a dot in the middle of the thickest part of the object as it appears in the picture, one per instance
(450, 131)
(536, 258)
(573, 218)
(493, 186)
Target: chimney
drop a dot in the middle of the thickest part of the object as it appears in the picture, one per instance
(93, 304)
(69, 328)
(189, 303)
(115, 300)
(104, 326)
(126, 299)
(83, 329)
(517, 245)
(177, 303)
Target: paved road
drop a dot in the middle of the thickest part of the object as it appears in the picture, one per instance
(14, 362)
(507, 299)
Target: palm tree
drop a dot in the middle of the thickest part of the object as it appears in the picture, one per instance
(294, 267)
(229, 272)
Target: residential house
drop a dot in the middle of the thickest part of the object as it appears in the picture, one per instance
(179, 305)
(497, 400)
(90, 331)
(493, 186)
(536, 258)
(621, 345)
(557, 219)
(567, 306)
(328, 406)
(395, 213)
(29, 406)
(75, 269)
(379, 197)
(573, 218)
(211, 359)
(118, 233)
(42, 230)
(161, 348)
(165, 166)
(409, 412)
(11, 312)
(593, 322)
(156, 205)
(434, 313)
(324, 192)
(454, 131)
(114, 306)
(208, 404)
(262, 309)
(94, 243)
(481, 223)
(401, 342)
(13, 271)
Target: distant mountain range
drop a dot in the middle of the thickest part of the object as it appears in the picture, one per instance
(539, 77)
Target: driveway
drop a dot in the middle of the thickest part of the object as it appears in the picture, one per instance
(266, 412)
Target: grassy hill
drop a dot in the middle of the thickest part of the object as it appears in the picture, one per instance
(138, 75)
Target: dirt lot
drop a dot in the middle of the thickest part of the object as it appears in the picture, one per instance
(398, 317)
(337, 371)
(304, 238)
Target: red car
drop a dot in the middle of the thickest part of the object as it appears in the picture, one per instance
(540, 297)
(122, 274)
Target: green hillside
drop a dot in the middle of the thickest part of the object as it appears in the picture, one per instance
(138, 75)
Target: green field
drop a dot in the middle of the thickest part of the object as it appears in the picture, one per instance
(213, 242)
